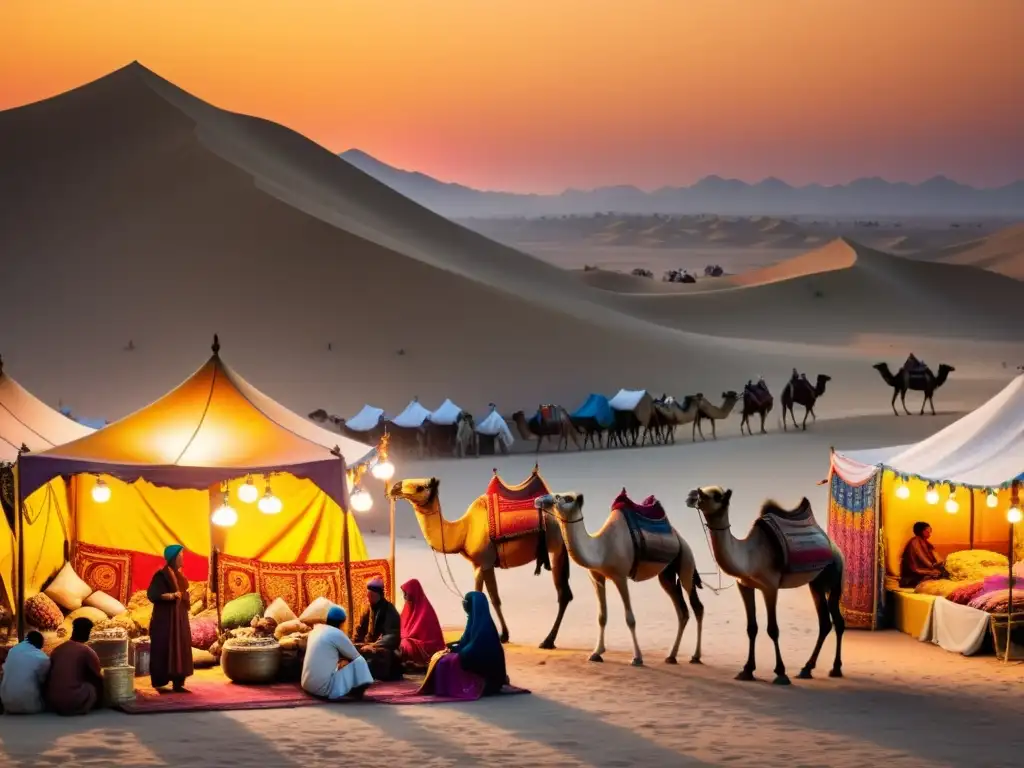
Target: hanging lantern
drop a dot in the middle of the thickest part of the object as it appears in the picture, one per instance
(101, 491)
(383, 470)
(992, 500)
(361, 500)
(1013, 514)
(952, 506)
(902, 490)
(270, 504)
(225, 515)
(932, 495)
(247, 492)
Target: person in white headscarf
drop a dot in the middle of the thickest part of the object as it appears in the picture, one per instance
(333, 667)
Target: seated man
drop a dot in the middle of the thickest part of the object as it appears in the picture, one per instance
(919, 562)
(75, 684)
(21, 688)
(379, 634)
(333, 667)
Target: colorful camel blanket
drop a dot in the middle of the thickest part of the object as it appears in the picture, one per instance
(805, 546)
(510, 510)
(654, 541)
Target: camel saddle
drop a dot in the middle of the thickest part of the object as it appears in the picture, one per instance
(805, 546)
(512, 515)
(758, 394)
(545, 415)
(654, 541)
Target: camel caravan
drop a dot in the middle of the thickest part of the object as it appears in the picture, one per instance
(630, 418)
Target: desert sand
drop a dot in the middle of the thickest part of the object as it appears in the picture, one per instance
(189, 220)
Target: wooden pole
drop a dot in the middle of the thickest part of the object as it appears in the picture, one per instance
(391, 552)
(1009, 604)
(20, 517)
(974, 492)
(346, 557)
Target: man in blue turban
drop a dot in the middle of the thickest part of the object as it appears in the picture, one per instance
(169, 632)
(333, 668)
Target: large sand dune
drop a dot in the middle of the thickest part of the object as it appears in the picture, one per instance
(1001, 252)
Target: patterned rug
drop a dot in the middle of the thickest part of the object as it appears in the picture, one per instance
(510, 509)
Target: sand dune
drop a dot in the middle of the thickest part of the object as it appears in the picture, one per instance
(1001, 252)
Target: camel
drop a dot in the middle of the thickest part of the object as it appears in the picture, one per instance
(610, 554)
(625, 431)
(756, 399)
(556, 424)
(757, 563)
(800, 391)
(675, 413)
(470, 536)
(466, 438)
(712, 413)
(920, 380)
(591, 430)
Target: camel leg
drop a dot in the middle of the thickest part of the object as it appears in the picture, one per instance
(824, 625)
(931, 401)
(771, 602)
(747, 593)
(784, 428)
(714, 435)
(601, 589)
(895, 394)
(903, 401)
(807, 412)
(669, 580)
(491, 582)
(764, 415)
(560, 574)
(698, 613)
(743, 421)
(835, 592)
(622, 584)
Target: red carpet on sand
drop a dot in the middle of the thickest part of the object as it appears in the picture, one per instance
(213, 692)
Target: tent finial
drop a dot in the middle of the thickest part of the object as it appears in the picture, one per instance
(216, 345)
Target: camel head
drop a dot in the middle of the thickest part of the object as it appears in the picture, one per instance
(711, 500)
(421, 493)
(730, 396)
(564, 507)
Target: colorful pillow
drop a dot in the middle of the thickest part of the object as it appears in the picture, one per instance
(316, 611)
(42, 613)
(109, 605)
(279, 611)
(241, 611)
(204, 633)
(67, 589)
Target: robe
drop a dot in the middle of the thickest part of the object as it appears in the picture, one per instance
(918, 563)
(170, 635)
(421, 631)
(326, 646)
(25, 671)
(75, 682)
(378, 636)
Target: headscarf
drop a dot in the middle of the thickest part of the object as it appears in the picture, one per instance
(479, 647)
(421, 631)
(376, 584)
(336, 615)
(171, 551)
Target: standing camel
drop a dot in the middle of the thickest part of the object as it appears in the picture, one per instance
(916, 378)
(471, 537)
(636, 542)
(712, 413)
(766, 561)
(466, 439)
(800, 391)
(756, 399)
(549, 421)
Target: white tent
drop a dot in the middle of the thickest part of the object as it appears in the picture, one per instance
(447, 414)
(627, 399)
(26, 420)
(412, 417)
(494, 425)
(984, 449)
(368, 418)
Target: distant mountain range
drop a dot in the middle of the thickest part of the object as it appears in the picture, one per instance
(868, 197)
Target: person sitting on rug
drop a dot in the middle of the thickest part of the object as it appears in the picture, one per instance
(169, 630)
(24, 677)
(379, 634)
(333, 668)
(475, 665)
(919, 562)
(421, 631)
(75, 683)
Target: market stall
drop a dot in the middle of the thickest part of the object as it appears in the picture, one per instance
(964, 482)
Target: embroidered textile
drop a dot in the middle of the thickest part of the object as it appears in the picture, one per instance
(853, 527)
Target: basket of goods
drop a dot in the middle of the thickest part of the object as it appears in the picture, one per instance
(251, 660)
(118, 685)
(140, 656)
(111, 645)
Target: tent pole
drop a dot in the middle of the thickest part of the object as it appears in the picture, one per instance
(973, 492)
(346, 560)
(391, 555)
(1009, 604)
(21, 547)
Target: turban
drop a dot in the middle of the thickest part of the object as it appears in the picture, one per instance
(336, 614)
(171, 552)
(376, 584)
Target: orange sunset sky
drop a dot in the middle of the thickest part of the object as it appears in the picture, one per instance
(544, 94)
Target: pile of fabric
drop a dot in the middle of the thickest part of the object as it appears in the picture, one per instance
(966, 569)
(964, 593)
(998, 601)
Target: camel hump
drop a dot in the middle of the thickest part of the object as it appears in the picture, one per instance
(800, 512)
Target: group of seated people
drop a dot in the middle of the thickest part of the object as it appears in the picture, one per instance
(385, 643)
(67, 682)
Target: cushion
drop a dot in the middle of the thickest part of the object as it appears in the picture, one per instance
(67, 589)
(42, 613)
(197, 592)
(109, 605)
(203, 659)
(143, 616)
(241, 611)
(123, 623)
(290, 627)
(95, 615)
(204, 633)
(279, 611)
(138, 600)
(974, 564)
(316, 612)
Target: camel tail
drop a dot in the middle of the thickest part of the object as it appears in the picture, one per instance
(697, 582)
(543, 558)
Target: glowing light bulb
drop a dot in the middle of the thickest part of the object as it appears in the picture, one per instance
(361, 501)
(385, 470)
(100, 491)
(991, 500)
(270, 504)
(224, 516)
(902, 491)
(1013, 514)
(932, 496)
(247, 492)
(952, 507)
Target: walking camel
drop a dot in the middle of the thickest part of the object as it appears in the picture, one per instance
(914, 376)
(471, 537)
(707, 411)
(549, 421)
(636, 542)
(673, 413)
(765, 561)
(756, 399)
(800, 391)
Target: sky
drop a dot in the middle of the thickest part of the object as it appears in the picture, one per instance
(540, 95)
